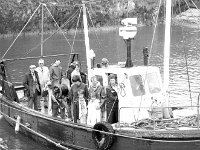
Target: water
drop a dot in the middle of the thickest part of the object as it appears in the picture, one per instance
(111, 46)
(11, 141)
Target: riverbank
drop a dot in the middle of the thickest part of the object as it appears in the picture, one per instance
(189, 18)
(68, 32)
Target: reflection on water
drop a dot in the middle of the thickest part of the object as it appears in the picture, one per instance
(11, 141)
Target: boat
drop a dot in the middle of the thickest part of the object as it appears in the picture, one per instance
(133, 131)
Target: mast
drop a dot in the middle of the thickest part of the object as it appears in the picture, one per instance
(167, 45)
(87, 45)
(42, 31)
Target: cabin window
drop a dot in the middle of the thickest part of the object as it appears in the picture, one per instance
(137, 85)
(153, 83)
(100, 79)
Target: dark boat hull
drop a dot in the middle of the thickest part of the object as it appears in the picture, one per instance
(77, 136)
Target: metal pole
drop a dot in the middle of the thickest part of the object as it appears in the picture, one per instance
(129, 62)
(42, 31)
(87, 45)
(198, 112)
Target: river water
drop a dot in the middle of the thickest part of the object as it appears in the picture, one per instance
(185, 45)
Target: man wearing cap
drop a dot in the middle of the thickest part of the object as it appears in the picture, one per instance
(56, 73)
(32, 86)
(44, 77)
(69, 72)
(104, 63)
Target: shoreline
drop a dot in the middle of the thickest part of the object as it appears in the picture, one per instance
(68, 32)
(175, 21)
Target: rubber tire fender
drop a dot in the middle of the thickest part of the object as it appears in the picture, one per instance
(103, 141)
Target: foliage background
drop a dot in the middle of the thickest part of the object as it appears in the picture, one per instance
(14, 14)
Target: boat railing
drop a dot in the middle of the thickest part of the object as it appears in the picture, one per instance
(159, 117)
(8, 89)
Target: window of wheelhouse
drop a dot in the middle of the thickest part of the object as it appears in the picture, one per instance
(108, 74)
(100, 79)
(153, 83)
(137, 85)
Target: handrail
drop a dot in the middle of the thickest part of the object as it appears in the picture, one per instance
(114, 134)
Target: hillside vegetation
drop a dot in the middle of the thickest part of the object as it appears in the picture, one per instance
(14, 14)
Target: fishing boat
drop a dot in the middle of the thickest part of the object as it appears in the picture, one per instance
(139, 87)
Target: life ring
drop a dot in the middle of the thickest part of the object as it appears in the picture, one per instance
(103, 141)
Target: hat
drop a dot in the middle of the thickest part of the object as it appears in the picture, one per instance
(32, 66)
(112, 76)
(104, 61)
(57, 62)
(41, 61)
(49, 83)
(76, 78)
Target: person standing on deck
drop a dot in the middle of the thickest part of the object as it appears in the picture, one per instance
(32, 87)
(94, 102)
(57, 102)
(77, 71)
(78, 96)
(69, 72)
(44, 77)
(56, 73)
(104, 63)
(109, 100)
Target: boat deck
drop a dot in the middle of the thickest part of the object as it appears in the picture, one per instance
(179, 127)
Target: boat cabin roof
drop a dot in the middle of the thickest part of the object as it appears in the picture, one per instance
(117, 69)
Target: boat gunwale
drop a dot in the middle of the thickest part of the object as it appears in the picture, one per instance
(134, 133)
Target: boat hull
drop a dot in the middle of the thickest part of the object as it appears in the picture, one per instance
(52, 132)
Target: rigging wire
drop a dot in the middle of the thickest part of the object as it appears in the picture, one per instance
(187, 4)
(185, 54)
(58, 26)
(98, 41)
(155, 27)
(21, 31)
(56, 31)
(72, 47)
(194, 4)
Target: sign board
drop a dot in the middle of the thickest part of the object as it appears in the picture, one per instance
(128, 22)
(128, 32)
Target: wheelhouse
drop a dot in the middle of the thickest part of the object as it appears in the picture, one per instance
(137, 88)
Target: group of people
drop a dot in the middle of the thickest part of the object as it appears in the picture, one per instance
(68, 94)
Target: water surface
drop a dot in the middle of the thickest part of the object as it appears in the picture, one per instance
(185, 45)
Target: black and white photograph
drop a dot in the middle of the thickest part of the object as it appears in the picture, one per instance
(99, 74)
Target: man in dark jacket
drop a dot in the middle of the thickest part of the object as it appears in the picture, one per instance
(109, 100)
(32, 87)
(69, 72)
(77, 94)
